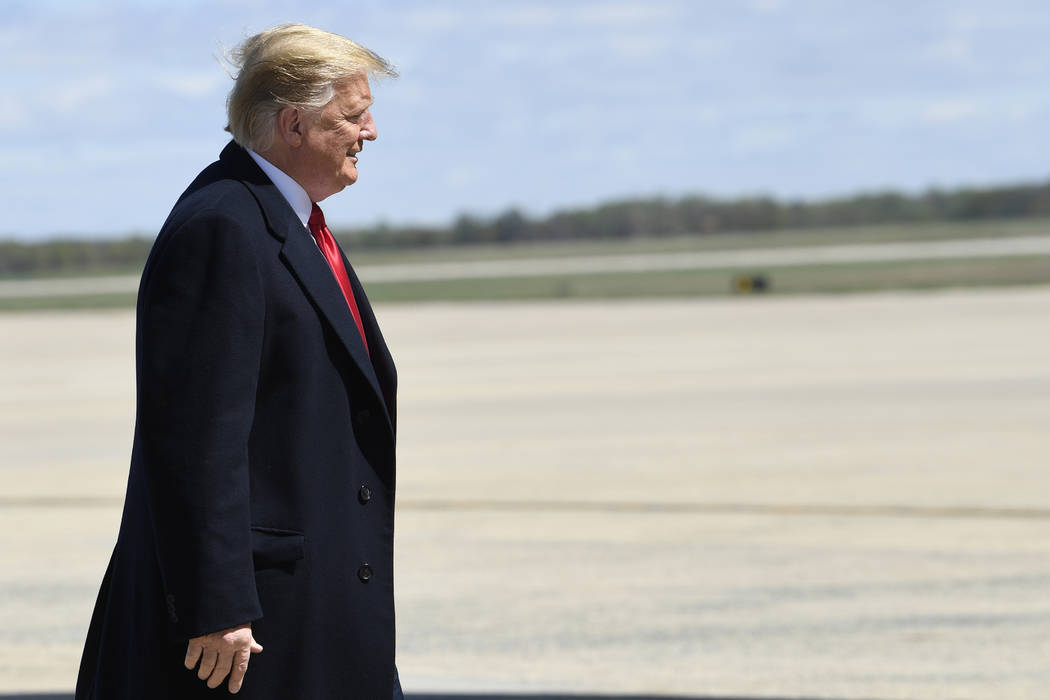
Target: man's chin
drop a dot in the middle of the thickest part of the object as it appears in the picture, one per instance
(339, 188)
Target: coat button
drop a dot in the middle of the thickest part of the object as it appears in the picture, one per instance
(364, 495)
(364, 572)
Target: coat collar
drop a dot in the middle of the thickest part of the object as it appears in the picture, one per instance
(315, 277)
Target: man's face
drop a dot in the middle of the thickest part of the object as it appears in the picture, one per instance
(332, 138)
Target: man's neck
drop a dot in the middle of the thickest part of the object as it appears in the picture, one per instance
(293, 192)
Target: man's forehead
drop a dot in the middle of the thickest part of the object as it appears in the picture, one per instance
(354, 89)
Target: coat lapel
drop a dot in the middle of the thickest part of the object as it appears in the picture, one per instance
(312, 271)
(381, 358)
(317, 280)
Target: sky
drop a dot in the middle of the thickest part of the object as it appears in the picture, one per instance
(111, 108)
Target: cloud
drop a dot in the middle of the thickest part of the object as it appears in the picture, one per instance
(75, 95)
(461, 176)
(639, 46)
(602, 14)
(97, 155)
(947, 111)
(767, 6)
(193, 84)
(524, 16)
(951, 51)
(762, 139)
(629, 14)
(435, 19)
(13, 114)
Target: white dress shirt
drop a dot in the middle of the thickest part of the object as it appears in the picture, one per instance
(292, 190)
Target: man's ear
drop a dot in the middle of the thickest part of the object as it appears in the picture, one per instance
(290, 126)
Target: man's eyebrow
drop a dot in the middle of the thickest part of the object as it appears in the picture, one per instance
(357, 111)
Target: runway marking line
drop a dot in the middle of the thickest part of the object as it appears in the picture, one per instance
(857, 510)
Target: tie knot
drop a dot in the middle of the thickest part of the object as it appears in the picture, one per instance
(316, 218)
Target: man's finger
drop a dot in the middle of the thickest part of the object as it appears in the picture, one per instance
(240, 666)
(256, 647)
(208, 659)
(193, 652)
(222, 668)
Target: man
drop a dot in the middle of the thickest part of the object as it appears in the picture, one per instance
(258, 521)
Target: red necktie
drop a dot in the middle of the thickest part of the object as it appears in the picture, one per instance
(326, 243)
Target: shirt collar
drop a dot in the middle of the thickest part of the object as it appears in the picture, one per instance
(292, 190)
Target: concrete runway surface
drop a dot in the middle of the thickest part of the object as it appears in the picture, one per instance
(826, 497)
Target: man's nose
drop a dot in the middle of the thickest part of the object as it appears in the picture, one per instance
(368, 130)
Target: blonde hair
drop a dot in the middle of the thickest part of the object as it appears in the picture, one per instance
(292, 65)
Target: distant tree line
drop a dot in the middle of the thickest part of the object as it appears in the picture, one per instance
(698, 215)
(634, 218)
(72, 256)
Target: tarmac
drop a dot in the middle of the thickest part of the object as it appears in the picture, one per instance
(810, 497)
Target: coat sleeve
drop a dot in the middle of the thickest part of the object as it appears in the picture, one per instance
(201, 316)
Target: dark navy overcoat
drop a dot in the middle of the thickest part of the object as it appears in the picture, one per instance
(261, 485)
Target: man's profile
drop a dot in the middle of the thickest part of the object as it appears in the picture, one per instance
(255, 552)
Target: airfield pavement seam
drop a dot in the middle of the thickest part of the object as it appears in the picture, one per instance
(856, 510)
(485, 696)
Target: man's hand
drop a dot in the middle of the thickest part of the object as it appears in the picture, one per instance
(222, 653)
